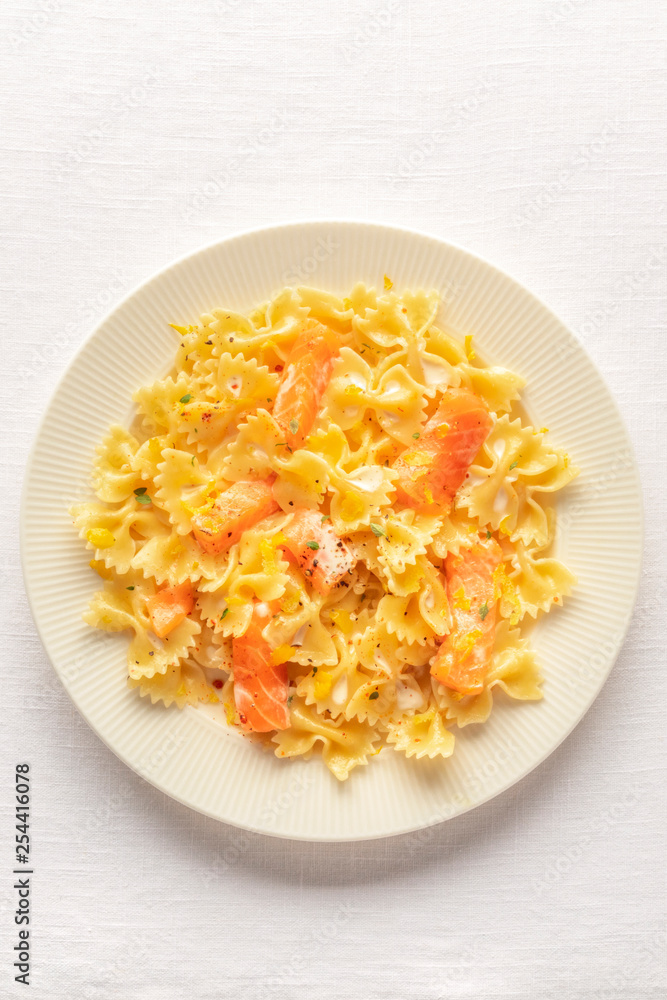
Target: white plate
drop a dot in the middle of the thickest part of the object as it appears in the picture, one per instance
(190, 756)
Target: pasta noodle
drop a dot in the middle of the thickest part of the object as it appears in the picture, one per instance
(328, 521)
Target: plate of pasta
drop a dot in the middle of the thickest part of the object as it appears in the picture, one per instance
(345, 527)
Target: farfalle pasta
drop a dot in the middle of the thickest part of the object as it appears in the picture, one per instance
(328, 522)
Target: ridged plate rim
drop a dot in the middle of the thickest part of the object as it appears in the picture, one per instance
(317, 807)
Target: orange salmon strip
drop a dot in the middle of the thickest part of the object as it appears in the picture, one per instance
(169, 607)
(305, 379)
(324, 558)
(434, 469)
(234, 511)
(464, 656)
(260, 686)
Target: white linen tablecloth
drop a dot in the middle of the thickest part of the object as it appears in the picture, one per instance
(532, 132)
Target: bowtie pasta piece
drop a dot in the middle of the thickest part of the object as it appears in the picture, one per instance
(422, 735)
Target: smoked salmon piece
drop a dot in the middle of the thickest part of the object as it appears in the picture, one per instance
(232, 513)
(324, 558)
(305, 379)
(260, 686)
(464, 656)
(433, 470)
(169, 607)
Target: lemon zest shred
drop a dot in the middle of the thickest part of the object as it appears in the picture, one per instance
(281, 654)
(290, 603)
(460, 599)
(351, 508)
(503, 588)
(101, 569)
(410, 578)
(101, 538)
(417, 458)
(268, 554)
(465, 643)
(323, 684)
(343, 620)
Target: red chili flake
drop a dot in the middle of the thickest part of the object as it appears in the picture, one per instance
(217, 683)
(279, 368)
(206, 417)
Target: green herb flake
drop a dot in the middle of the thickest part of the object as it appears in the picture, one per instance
(378, 531)
(325, 517)
(140, 492)
(373, 695)
(224, 614)
(144, 498)
(193, 460)
(416, 435)
(294, 425)
(313, 545)
(364, 344)
(130, 588)
(483, 611)
(186, 398)
(514, 464)
(488, 533)
(314, 671)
